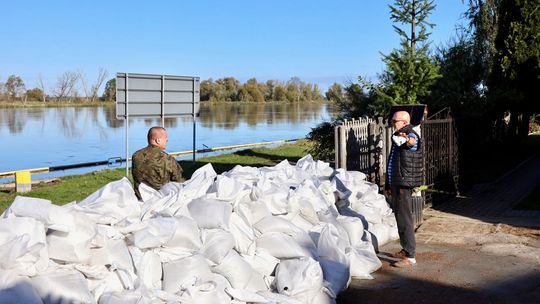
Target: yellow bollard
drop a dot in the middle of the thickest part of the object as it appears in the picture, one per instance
(23, 181)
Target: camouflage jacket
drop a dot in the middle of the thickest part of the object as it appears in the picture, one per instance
(154, 167)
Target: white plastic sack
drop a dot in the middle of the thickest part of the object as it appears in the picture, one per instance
(354, 228)
(282, 246)
(227, 188)
(62, 286)
(362, 261)
(210, 213)
(244, 235)
(115, 201)
(147, 266)
(168, 231)
(301, 279)
(333, 258)
(23, 246)
(52, 216)
(237, 271)
(199, 182)
(216, 244)
(182, 272)
(262, 261)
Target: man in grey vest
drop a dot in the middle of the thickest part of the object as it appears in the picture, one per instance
(404, 172)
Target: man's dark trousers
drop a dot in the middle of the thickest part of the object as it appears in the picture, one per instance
(402, 207)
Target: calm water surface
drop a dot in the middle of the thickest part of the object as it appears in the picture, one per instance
(45, 137)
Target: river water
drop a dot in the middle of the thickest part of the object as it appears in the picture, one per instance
(45, 137)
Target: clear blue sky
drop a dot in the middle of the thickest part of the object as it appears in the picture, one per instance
(318, 41)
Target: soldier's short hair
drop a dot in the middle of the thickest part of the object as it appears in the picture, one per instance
(153, 133)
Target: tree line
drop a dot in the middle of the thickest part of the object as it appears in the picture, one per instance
(73, 86)
(230, 89)
(69, 86)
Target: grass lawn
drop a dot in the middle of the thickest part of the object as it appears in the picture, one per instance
(78, 187)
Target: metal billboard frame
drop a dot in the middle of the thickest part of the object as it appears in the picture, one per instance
(156, 96)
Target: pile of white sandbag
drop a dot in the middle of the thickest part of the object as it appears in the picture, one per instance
(282, 234)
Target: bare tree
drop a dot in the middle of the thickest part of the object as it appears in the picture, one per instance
(91, 92)
(102, 74)
(65, 85)
(84, 82)
(41, 84)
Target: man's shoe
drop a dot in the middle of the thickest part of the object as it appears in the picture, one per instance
(400, 254)
(405, 262)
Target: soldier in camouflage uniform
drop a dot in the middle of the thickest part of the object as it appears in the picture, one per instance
(152, 166)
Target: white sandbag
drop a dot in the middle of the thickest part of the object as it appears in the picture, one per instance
(276, 199)
(227, 188)
(354, 228)
(17, 289)
(315, 168)
(372, 215)
(23, 247)
(273, 297)
(112, 252)
(244, 174)
(309, 191)
(380, 234)
(184, 271)
(350, 177)
(199, 183)
(155, 232)
(390, 221)
(333, 258)
(282, 246)
(209, 292)
(329, 191)
(147, 267)
(125, 297)
(109, 283)
(262, 261)
(73, 246)
(167, 231)
(237, 271)
(216, 244)
(210, 213)
(245, 295)
(362, 260)
(276, 224)
(186, 234)
(115, 201)
(62, 286)
(336, 274)
(257, 209)
(148, 193)
(301, 279)
(244, 235)
(165, 205)
(52, 216)
(324, 296)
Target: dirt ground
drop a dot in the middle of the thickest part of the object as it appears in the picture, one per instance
(460, 260)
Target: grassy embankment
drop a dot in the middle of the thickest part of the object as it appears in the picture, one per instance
(78, 187)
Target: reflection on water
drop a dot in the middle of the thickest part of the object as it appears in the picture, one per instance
(43, 137)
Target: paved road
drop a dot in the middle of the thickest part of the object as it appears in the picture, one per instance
(471, 250)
